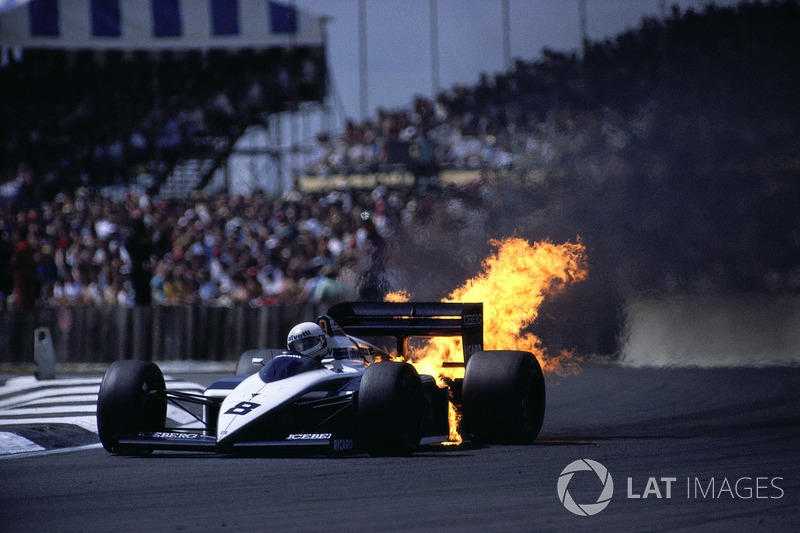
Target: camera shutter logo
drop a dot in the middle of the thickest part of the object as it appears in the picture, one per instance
(586, 509)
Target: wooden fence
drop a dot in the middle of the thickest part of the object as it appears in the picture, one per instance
(105, 334)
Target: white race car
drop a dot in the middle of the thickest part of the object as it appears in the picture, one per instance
(353, 400)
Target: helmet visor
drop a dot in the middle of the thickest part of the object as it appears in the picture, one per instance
(303, 345)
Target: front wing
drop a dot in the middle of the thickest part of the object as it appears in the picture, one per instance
(195, 441)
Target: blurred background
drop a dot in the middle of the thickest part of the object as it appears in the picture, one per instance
(189, 180)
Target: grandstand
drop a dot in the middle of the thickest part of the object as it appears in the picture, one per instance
(91, 97)
(670, 150)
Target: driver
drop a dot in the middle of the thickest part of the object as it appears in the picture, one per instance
(310, 340)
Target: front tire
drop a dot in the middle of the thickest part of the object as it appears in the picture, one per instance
(503, 397)
(390, 403)
(131, 399)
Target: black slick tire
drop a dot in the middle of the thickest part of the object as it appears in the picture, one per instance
(390, 403)
(503, 398)
(131, 399)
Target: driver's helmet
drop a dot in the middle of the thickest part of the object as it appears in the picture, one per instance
(309, 339)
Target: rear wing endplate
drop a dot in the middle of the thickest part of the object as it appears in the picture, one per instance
(413, 319)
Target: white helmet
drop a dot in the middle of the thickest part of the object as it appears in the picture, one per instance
(308, 339)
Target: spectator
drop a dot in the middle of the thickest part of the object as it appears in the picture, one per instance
(139, 247)
(632, 130)
(6, 269)
(327, 290)
(24, 262)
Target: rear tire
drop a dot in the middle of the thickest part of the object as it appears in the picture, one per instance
(131, 399)
(503, 398)
(390, 403)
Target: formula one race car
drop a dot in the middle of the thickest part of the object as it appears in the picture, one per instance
(334, 392)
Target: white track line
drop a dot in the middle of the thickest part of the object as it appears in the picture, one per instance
(13, 443)
(25, 397)
(62, 399)
(51, 452)
(51, 410)
(88, 423)
(21, 399)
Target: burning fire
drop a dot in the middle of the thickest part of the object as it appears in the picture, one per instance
(512, 285)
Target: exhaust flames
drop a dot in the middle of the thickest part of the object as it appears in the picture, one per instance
(513, 283)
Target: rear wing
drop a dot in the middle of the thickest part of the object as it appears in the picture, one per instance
(413, 319)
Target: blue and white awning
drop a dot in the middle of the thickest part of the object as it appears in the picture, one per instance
(155, 24)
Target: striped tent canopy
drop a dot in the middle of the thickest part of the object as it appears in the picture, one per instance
(155, 24)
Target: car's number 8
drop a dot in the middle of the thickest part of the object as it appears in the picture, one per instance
(242, 408)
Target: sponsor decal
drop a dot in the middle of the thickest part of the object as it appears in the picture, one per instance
(297, 336)
(474, 348)
(167, 435)
(472, 320)
(342, 445)
(308, 436)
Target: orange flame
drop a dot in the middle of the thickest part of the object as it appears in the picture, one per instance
(513, 283)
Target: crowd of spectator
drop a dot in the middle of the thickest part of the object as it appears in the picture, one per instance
(664, 149)
(683, 125)
(212, 250)
(76, 118)
(561, 108)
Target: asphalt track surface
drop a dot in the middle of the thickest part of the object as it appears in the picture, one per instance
(724, 441)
